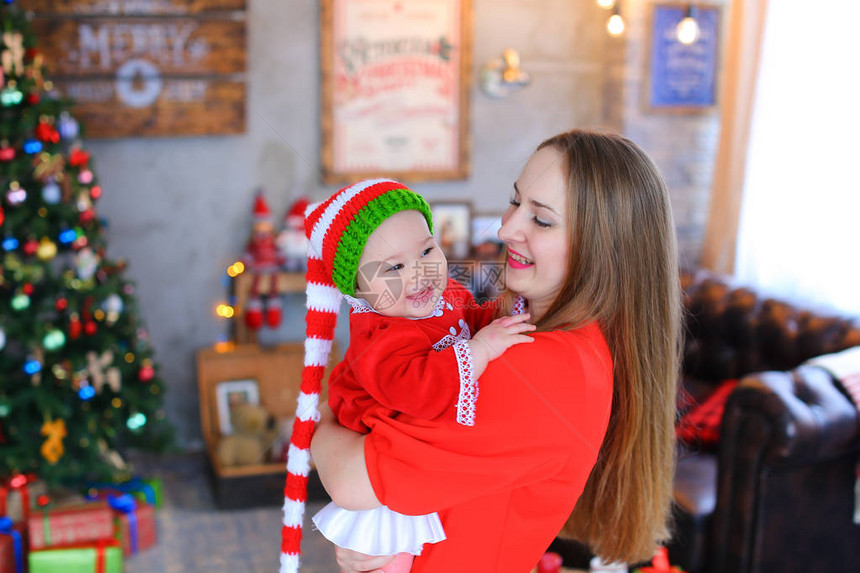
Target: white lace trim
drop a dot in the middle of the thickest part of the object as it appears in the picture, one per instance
(359, 305)
(468, 385)
(449, 339)
(519, 306)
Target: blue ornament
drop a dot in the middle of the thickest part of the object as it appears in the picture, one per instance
(86, 392)
(10, 243)
(67, 236)
(51, 193)
(32, 366)
(67, 126)
(32, 146)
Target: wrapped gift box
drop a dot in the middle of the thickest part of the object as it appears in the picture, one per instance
(145, 490)
(99, 557)
(12, 547)
(18, 496)
(135, 523)
(88, 522)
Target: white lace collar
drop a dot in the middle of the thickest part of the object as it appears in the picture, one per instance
(360, 305)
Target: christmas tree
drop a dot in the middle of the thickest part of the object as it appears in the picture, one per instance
(77, 380)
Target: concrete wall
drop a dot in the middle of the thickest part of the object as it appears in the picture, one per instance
(179, 209)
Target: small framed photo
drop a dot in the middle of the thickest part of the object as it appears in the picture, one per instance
(230, 394)
(452, 226)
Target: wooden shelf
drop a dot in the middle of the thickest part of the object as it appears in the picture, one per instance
(285, 283)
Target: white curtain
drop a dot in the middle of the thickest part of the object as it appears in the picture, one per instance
(799, 236)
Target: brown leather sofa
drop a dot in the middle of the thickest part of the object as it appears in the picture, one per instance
(777, 494)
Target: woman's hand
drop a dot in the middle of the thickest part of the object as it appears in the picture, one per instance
(352, 562)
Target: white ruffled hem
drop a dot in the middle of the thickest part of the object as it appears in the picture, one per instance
(378, 531)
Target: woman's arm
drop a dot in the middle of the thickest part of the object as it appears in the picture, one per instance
(338, 454)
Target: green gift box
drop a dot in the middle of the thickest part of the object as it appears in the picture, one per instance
(99, 557)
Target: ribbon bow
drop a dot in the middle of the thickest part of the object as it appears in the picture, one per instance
(126, 504)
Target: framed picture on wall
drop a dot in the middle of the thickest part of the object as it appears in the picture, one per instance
(683, 63)
(395, 85)
(452, 227)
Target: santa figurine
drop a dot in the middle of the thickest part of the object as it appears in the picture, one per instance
(292, 242)
(263, 260)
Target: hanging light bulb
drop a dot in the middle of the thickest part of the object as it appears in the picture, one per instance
(688, 29)
(615, 24)
(606, 3)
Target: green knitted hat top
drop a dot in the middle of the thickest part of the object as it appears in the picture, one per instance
(340, 226)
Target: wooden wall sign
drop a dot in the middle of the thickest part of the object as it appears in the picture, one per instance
(147, 67)
(395, 89)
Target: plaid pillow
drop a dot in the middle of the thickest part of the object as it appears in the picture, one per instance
(700, 425)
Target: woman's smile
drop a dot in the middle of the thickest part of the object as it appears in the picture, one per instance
(517, 261)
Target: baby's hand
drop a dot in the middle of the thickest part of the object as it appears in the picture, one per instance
(491, 341)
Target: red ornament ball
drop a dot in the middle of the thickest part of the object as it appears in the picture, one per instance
(27, 288)
(7, 153)
(30, 247)
(95, 192)
(33, 98)
(43, 500)
(146, 373)
(90, 328)
(88, 215)
(61, 304)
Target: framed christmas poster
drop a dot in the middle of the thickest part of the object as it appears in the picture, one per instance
(395, 89)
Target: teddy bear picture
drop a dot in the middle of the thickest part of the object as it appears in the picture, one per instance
(250, 434)
(229, 395)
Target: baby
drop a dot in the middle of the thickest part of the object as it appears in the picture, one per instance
(411, 348)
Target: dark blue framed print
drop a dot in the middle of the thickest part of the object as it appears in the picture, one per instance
(683, 77)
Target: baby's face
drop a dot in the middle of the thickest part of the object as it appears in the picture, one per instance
(402, 271)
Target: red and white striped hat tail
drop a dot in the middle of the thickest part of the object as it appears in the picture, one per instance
(323, 302)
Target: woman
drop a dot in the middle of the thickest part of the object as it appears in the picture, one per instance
(573, 431)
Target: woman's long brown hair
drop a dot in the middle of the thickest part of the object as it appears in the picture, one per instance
(623, 273)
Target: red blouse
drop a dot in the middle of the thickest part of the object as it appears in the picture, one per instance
(504, 487)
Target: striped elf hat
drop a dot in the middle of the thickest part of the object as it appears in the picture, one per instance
(337, 231)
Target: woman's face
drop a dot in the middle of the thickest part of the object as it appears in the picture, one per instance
(534, 229)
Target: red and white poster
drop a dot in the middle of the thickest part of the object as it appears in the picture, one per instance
(395, 81)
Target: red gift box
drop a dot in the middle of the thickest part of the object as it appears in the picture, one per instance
(18, 495)
(70, 525)
(135, 523)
